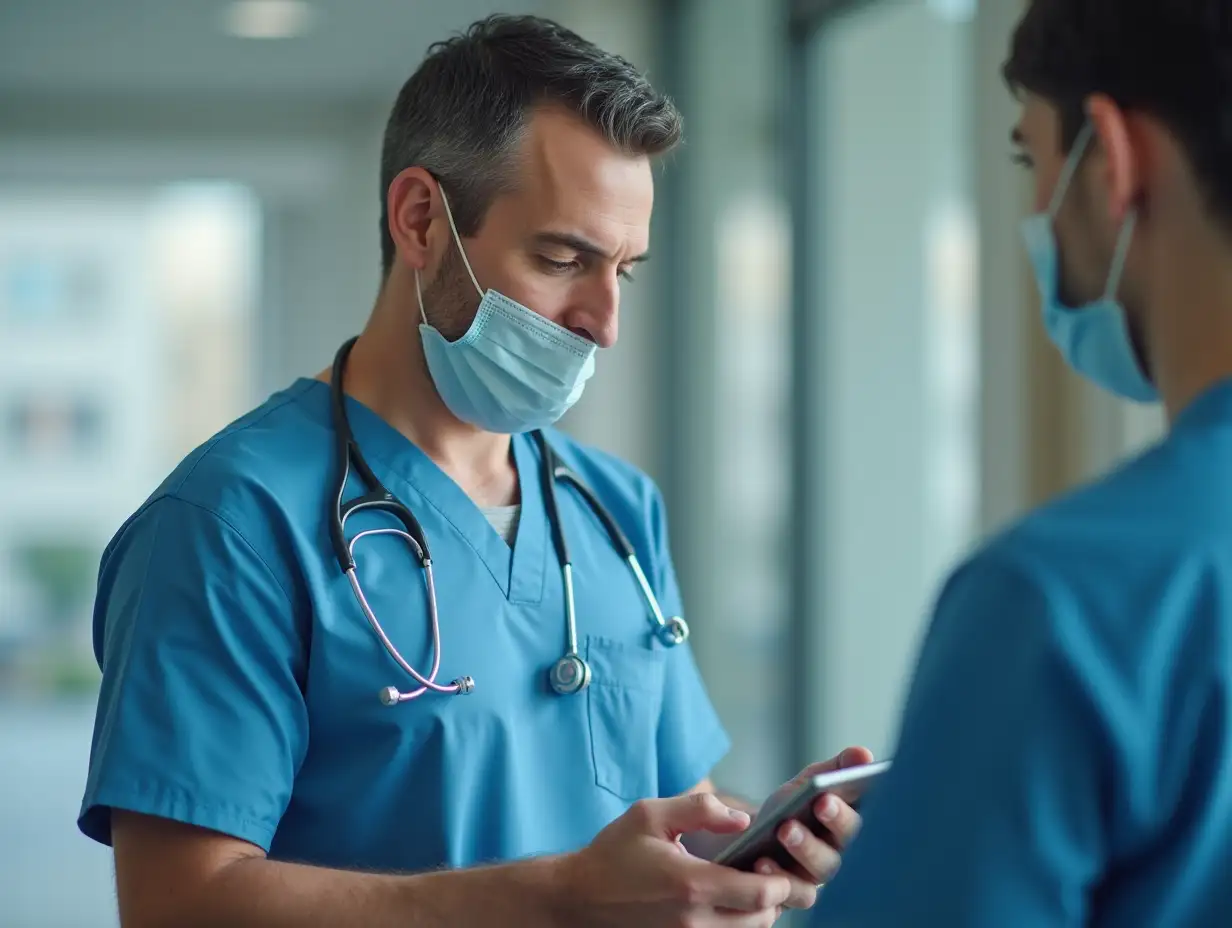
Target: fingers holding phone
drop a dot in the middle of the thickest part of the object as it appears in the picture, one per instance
(802, 830)
(816, 859)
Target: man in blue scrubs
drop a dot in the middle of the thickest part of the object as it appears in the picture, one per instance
(243, 765)
(1066, 751)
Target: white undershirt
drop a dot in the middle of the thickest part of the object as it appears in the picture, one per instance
(504, 519)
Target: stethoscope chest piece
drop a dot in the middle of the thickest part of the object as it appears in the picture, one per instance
(570, 675)
(674, 631)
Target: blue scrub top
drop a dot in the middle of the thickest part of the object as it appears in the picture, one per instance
(1066, 749)
(240, 678)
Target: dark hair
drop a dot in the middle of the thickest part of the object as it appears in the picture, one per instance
(1169, 58)
(461, 114)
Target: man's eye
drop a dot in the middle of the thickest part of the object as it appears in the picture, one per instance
(557, 267)
(626, 274)
(1022, 159)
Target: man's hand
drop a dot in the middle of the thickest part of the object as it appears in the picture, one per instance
(636, 872)
(816, 859)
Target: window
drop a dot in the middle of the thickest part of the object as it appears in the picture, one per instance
(98, 288)
(47, 289)
(887, 305)
(728, 396)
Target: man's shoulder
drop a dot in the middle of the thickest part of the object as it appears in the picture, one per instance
(1117, 567)
(1156, 511)
(273, 454)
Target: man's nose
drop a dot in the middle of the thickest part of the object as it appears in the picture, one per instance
(597, 315)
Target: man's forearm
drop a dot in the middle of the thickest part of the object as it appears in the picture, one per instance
(260, 893)
(705, 844)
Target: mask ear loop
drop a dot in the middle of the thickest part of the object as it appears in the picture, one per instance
(1070, 168)
(419, 295)
(1120, 255)
(1125, 237)
(462, 251)
(458, 239)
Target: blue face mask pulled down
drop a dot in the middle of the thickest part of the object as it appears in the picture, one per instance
(1094, 338)
(514, 370)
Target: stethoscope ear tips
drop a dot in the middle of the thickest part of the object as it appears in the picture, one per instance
(390, 696)
(674, 631)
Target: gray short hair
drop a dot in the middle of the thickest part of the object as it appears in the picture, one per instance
(462, 112)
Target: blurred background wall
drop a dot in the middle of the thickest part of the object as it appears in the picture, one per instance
(832, 366)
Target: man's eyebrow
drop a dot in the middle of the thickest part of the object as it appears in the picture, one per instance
(1017, 138)
(577, 243)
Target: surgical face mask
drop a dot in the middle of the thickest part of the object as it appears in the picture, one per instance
(1094, 338)
(513, 371)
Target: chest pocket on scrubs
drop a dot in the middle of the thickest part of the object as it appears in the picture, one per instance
(623, 705)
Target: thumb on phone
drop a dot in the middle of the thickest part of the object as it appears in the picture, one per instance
(680, 815)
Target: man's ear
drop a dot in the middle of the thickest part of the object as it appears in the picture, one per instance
(1122, 157)
(409, 203)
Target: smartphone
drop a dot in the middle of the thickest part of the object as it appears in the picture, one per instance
(761, 838)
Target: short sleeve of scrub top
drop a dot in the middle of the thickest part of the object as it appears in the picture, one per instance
(201, 715)
(992, 805)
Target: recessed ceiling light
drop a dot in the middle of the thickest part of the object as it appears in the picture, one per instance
(955, 11)
(268, 19)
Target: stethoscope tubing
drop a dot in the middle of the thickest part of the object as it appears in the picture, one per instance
(571, 672)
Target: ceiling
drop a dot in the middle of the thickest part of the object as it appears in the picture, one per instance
(125, 48)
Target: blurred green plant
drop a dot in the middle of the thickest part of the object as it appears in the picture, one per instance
(69, 678)
(63, 573)
(51, 675)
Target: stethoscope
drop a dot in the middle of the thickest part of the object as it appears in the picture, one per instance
(571, 673)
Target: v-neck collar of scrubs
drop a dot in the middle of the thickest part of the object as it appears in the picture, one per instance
(519, 572)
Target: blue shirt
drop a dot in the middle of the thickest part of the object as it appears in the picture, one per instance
(241, 679)
(1065, 755)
